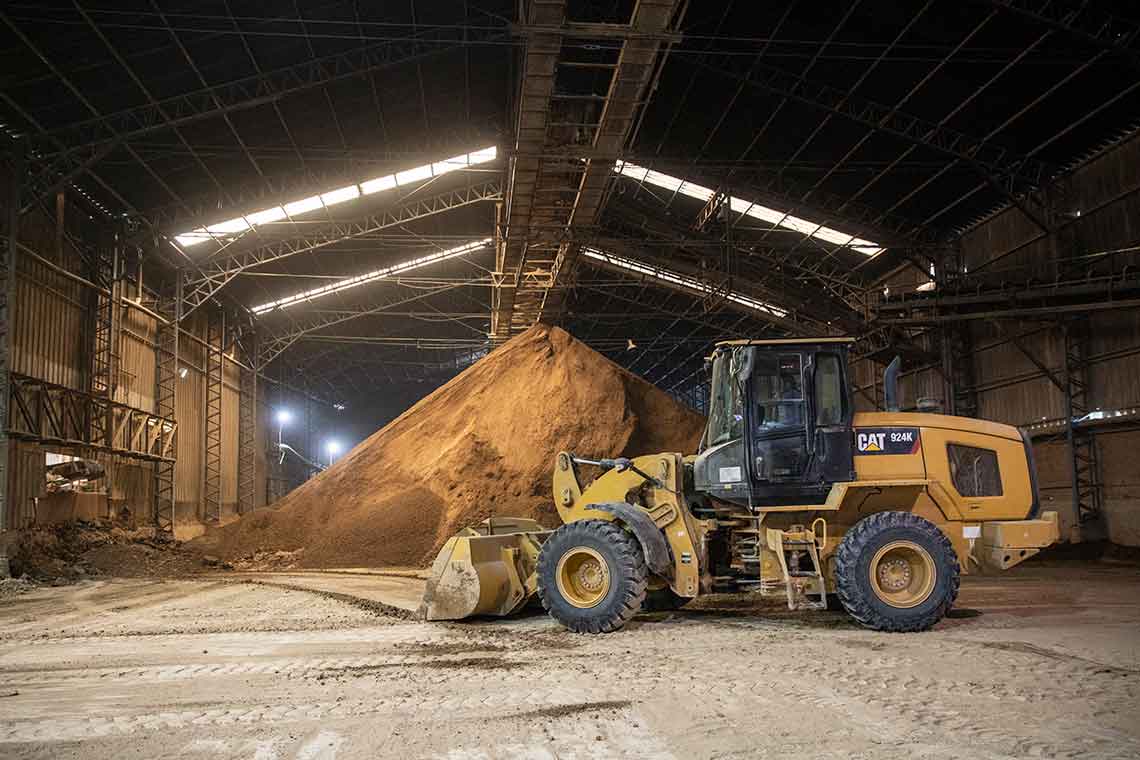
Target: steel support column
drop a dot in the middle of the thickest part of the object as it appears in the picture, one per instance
(165, 404)
(247, 431)
(1084, 468)
(212, 462)
(104, 328)
(7, 303)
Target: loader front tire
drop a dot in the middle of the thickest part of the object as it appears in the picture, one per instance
(592, 576)
(896, 571)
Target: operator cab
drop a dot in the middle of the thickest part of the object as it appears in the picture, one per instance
(779, 425)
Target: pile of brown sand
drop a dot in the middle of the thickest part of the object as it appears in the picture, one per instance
(481, 445)
(80, 549)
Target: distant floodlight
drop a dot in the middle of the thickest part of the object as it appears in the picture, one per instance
(339, 407)
(284, 417)
(332, 448)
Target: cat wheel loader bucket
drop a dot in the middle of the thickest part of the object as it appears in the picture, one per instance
(487, 569)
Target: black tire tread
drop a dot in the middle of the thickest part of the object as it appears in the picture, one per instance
(856, 541)
(631, 564)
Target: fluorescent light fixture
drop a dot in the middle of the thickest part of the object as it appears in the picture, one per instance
(747, 208)
(332, 197)
(682, 281)
(379, 274)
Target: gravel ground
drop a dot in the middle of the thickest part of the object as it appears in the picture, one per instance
(1041, 662)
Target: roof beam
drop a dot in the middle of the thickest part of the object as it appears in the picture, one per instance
(694, 284)
(219, 272)
(532, 120)
(547, 196)
(86, 142)
(788, 284)
(1107, 32)
(274, 344)
(1006, 170)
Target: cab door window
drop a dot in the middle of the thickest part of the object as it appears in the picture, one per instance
(779, 441)
(828, 391)
(779, 392)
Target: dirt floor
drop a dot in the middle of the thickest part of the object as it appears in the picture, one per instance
(1041, 662)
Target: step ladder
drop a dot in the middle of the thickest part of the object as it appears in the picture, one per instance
(798, 539)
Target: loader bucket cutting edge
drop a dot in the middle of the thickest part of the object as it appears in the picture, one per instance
(481, 575)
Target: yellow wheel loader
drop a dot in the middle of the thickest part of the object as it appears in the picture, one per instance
(792, 493)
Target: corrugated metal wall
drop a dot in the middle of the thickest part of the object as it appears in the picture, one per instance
(51, 339)
(1009, 387)
(47, 324)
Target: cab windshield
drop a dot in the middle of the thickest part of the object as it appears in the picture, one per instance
(726, 405)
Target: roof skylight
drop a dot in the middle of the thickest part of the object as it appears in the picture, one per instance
(748, 208)
(379, 274)
(238, 225)
(682, 281)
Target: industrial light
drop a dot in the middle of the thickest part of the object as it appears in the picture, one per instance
(379, 274)
(339, 407)
(683, 281)
(747, 208)
(296, 208)
(284, 416)
(182, 372)
(332, 448)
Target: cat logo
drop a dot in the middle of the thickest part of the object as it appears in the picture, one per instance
(871, 441)
(887, 441)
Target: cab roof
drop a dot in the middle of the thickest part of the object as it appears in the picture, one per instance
(785, 342)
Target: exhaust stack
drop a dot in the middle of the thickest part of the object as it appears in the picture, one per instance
(891, 384)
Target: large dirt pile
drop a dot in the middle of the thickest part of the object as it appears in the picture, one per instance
(481, 445)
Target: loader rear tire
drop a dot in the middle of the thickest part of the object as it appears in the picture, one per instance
(592, 576)
(896, 571)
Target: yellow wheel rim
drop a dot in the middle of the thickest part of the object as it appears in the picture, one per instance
(903, 574)
(583, 577)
